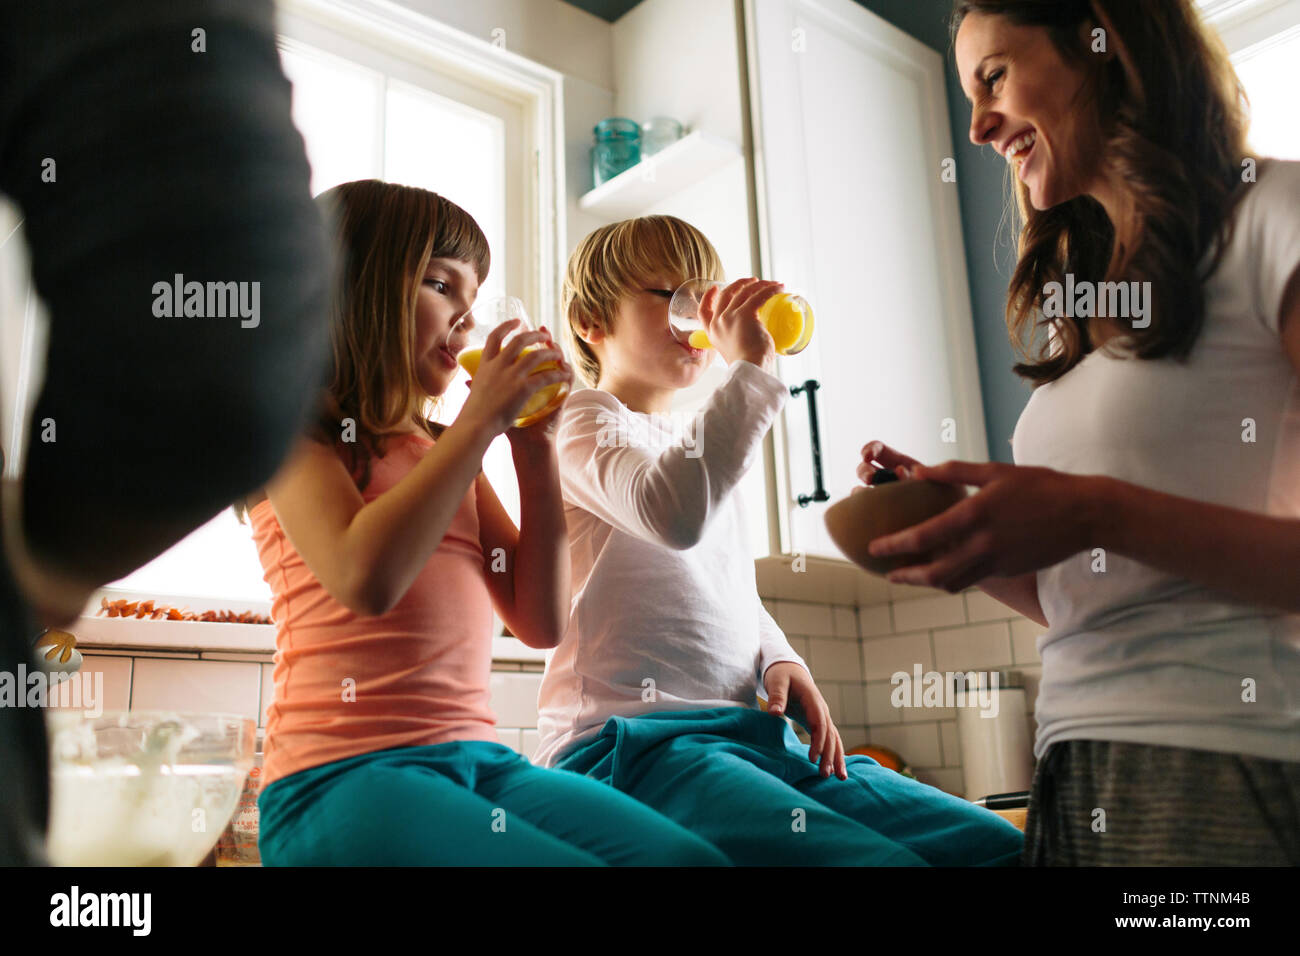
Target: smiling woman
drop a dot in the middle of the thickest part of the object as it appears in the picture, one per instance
(1152, 519)
(1111, 179)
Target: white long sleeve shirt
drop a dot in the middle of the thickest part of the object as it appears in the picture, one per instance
(665, 612)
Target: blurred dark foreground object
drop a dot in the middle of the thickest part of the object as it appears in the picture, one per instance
(136, 157)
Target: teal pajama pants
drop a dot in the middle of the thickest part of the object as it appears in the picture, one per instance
(469, 803)
(742, 780)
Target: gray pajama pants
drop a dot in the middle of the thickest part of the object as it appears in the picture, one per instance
(1108, 803)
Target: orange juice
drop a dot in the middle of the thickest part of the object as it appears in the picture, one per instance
(786, 316)
(536, 408)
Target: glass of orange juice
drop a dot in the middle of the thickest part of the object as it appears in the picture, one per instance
(478, 324)
(786, 315)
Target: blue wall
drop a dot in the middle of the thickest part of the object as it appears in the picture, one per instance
(983, 188)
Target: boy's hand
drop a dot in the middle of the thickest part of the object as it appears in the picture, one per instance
(786, 681)
(730, 318)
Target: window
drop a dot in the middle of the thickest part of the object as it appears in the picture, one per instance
(391, 95)
(1270, 72)
(1263, 38)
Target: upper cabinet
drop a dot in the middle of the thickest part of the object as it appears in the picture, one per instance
(850, 128)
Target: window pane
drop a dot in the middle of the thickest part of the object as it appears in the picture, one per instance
(427, 141)
(1271, 78)
(219, 560)
(457, 152)
(336, 107)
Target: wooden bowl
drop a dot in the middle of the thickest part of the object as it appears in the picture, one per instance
(877, 510)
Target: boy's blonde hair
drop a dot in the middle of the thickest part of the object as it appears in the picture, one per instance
(618, 260)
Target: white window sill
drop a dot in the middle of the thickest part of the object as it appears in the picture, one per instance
(123, 633)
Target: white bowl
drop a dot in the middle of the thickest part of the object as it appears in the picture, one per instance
(143, 788)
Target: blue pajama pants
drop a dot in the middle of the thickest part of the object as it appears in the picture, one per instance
(742, 780)
(469, 803)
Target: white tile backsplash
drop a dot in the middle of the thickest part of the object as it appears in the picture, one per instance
(225, 686)
(1024, 640)
(102, 683)
(810, 620)
(530, 738)
(880, 707)
(978, 647)
(948, 779)
(917, 627)
(514, 698)
(918, 744)
(882, 657)
(845, 622)
(853, 703)
(800, 646)
(943, 611)
(834, 660)
(268, 690)
(875, 621)
(981, 607)
(831, 693)
(951, 743)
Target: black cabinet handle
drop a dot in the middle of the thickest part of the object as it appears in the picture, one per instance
(819, 492)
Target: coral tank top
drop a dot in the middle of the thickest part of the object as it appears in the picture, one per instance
(416, 675)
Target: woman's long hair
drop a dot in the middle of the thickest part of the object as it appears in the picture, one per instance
(1173, 119)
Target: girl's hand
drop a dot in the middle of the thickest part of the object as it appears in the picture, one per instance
(877, 455)
(787, 681)
(504, 381)
(730, 318)
(1021, 520)
(542, 432)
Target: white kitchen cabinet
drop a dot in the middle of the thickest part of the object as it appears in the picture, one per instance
(850, 128)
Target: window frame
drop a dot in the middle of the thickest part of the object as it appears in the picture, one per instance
(415, 42)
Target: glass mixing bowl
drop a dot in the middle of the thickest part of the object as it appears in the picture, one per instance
(143, 788)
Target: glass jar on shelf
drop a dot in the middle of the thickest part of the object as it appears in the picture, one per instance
(617, 149)
(657, 133)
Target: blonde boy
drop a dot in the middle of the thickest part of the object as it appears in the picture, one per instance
(652, 690)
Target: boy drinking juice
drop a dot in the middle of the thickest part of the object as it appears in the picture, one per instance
(652, 688)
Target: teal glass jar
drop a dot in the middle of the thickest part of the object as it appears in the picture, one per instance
(617, 149)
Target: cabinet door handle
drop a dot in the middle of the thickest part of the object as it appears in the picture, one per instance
(819, 492)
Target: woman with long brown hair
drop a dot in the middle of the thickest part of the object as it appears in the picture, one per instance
(1152, 519)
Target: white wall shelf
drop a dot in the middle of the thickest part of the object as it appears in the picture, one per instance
(688, 161)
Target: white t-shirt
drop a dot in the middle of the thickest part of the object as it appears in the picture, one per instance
(665, 611)
(1136, 654)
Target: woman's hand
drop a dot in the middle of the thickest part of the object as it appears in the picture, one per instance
(730, 318)
(877, 455)
(1022, 519)
(505, 381)
(541, 434)
(790, 687)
